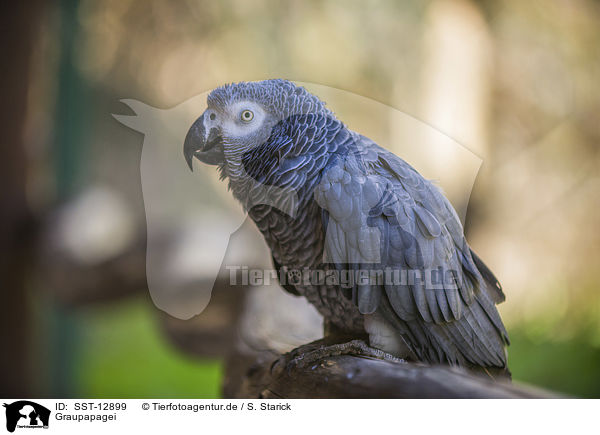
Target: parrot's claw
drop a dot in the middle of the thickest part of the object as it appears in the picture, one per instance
(317, 353)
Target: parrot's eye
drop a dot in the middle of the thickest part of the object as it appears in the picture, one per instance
(247, 116)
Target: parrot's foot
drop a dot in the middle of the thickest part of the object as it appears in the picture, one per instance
(319, 351)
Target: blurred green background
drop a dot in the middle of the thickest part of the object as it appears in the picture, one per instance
(515, 82)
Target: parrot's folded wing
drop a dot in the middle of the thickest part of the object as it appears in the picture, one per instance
(381, 215)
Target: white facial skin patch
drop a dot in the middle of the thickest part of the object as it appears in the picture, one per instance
(235, 123)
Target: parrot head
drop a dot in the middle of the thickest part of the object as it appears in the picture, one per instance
(240, 117)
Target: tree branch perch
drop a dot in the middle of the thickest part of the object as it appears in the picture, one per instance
(359, 376)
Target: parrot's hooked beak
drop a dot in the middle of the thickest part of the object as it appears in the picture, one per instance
(205, 146)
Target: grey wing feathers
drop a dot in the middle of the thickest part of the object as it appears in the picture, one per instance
(382, 214)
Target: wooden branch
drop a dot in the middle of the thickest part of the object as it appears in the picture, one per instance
(356, 376)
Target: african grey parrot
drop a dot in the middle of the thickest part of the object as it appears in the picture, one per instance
(355, 207)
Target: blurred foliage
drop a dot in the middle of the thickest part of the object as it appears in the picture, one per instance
(125, 356)
(568, 366)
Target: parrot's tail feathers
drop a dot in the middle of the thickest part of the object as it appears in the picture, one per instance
(493, 285)
(477, 339)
